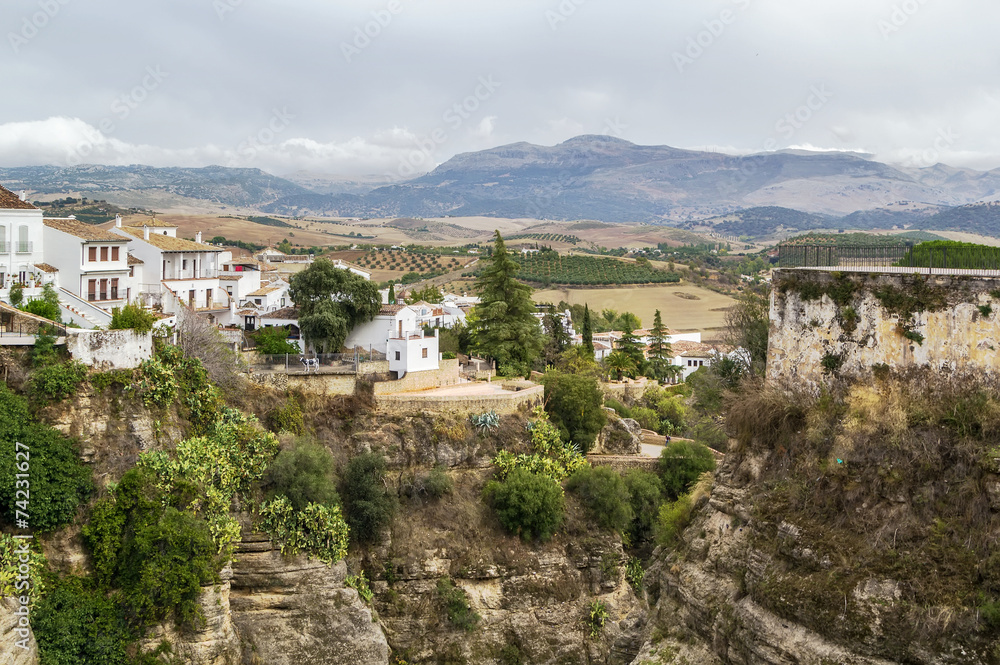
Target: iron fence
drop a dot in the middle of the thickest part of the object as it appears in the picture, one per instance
(830, 256)
(313, 363)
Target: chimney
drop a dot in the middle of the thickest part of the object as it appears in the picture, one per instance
(145, 232)
(197, 237)
(118, 221)
(22, 196)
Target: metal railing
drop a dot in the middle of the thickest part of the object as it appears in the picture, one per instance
(321, 363)
(32, 330)
(926, 258)
(831, 256)
(21, 247)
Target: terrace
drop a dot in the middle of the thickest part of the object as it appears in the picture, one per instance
(902, 259)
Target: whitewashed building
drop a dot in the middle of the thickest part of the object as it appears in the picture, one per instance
(93, 262)
(21, 242)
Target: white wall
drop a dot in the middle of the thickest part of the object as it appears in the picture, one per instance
(12, 262)
(374, 333)
(411, 354)
(109, 349)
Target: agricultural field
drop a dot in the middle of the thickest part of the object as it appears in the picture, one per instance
(684, 307)
(395, 264)
(552, 268)
(545, 237)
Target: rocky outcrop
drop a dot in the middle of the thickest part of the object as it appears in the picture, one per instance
(292, 610)
(621, 436)
(11, 652)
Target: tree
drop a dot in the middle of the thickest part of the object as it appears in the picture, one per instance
(392, 293)
(681, 463)
(630, 346)
(331, 302)
(573, 401)
(431, 294)
(620, 364)
(273, 340)
(527, 504)
(505, 328)
(47, 306)
(588, 332)
(746, 327)
(369, 506)
(132, 316)
(557, 340)
(605, 496)
(17, 295)
(660, 365)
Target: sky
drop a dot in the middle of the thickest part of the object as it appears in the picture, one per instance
(391, 88)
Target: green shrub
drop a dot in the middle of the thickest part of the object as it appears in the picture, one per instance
(680, 465)
(672, 520)
(437, 483)
(597, 614)
(550, 456)
(602, 491)
(618, 407)
(317, 530)
(673, 414)
(57, 381)
(17, 295)
(58, 481)
(304, 474)
(45, 351)
(644, 497)
(574, 403)
(156, 383)
(47, 306)
(448, 355)
(456, 603)
(132, 316)
(634, 573)
(369, 505)
(527, 504)
(647, 418)
(288, 417)
(12, 579)
(101, 381)
(76, 623)
(273, 340)
(360, 584)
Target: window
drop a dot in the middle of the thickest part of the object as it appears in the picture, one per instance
(92, 254)
(257, 300)
(397, 355)
(104, 253)
(184, 264)
(92, 288)
(114, 253)
(423, 353)
(114, 288)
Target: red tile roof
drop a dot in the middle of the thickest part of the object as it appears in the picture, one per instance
(11, 201)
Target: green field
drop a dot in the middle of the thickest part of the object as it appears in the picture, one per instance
(552, 268)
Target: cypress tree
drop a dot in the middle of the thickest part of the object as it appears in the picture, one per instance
(588, 333)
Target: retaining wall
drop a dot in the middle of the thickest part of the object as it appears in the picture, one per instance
(446, 375)
(109, 349)
(461, 405)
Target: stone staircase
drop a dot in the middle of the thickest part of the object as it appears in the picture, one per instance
(82, 312)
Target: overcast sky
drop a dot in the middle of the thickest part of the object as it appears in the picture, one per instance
(397, 86)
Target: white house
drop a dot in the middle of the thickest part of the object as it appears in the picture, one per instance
(412, 352)
(691, 356)
(93, 262)
(21, 241)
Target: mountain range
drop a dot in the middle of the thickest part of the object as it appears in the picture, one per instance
(587, 177)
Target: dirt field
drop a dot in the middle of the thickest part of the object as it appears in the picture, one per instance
(706, 312)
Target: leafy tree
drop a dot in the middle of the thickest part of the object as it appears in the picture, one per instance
(557, 340)
(746, 327)
(331, 302)
(47, 306)
(303, 474)
(273, 340)
(392, 293)
(132, 316)
(588, 333)
(505, 327)
(431, 294)
(630, 346)
(78, 623)
(527, 504)
(620, 364)
(17, 295)
(645, 496)
(369, 505)
(573, 401)
(681, 462)
(602, 491)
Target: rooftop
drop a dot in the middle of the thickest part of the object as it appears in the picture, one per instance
(169, 243)
(11, 201)
(283, 313)
(264, 290)
(151, 222)
(135, 261)
(87, 232)
(45, 267)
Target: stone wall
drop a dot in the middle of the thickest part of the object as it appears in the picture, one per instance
(109, 349)
(626, 391)
(318, 384)
(825, 325)
(15, 321)
(623, 463)
(446, 375)
(459, 404)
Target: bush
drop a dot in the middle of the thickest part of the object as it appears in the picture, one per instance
(602, 491)
(59, 481)
(644, 496)
(369, 505)
(303, 474)
(597, 614)
(273, 340)
(318, 530)
(77, 623)
(647, 418)
(132, 316)
(47, 306)
(527, 504)
(57, 381)
(574, 403)
(437, 483)
(456, 603)
(288, 417)
(672, 520)
(681, 463)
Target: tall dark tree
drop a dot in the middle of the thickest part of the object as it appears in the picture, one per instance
(629, 345)
(588, 331)
(331, 302)
(392, 294)
(557, 339)
(659, 364)
(504, 327)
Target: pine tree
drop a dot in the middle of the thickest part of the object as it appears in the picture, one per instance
(660, 366)
(629, 345)
(505, 328)
(588, 332)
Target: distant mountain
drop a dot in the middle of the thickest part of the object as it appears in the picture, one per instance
(605, 178)
(762, 222)
(248, 188)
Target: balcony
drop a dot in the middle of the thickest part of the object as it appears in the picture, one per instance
(97, 296)
(25, 247)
